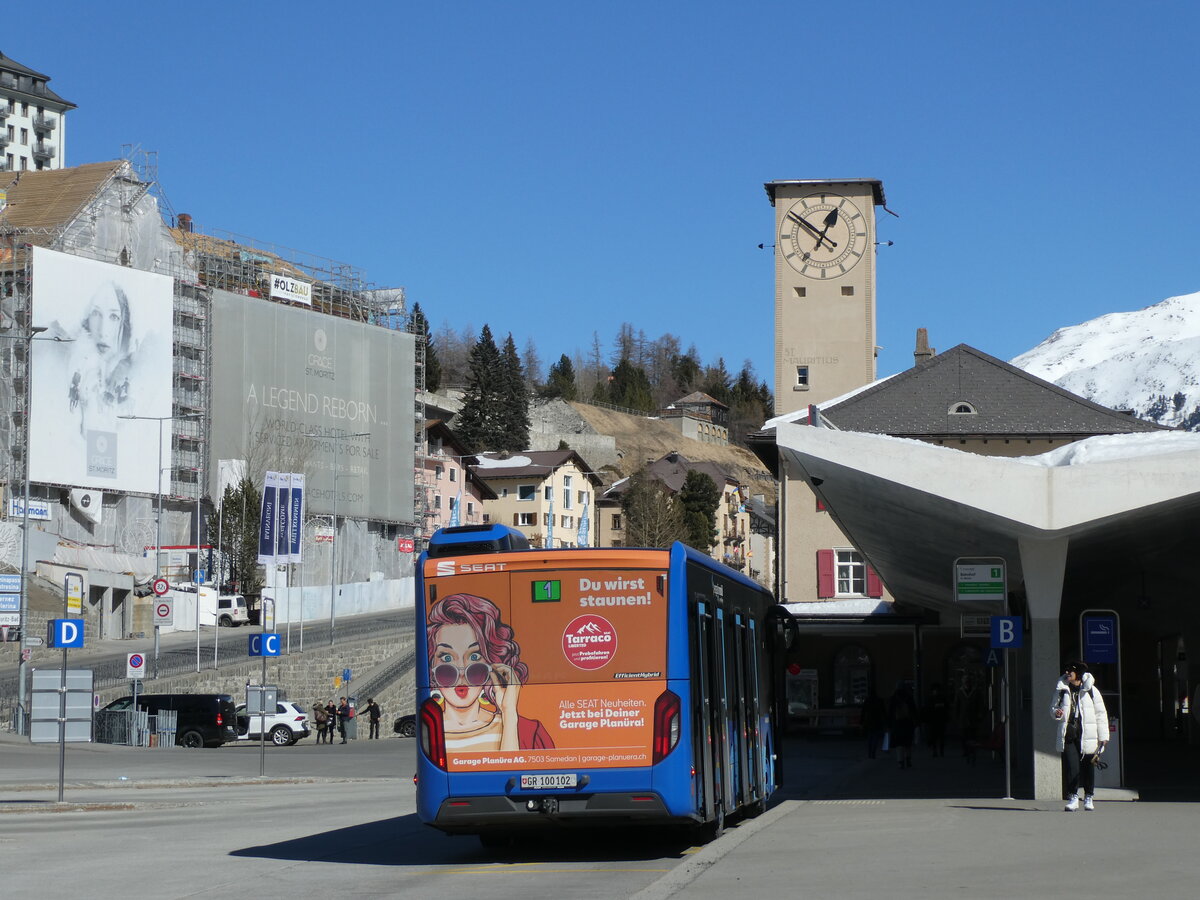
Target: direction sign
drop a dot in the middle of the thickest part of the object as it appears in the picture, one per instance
(10, 584)
(979, 582)
(164, 612)
(160, 586)
(10, 618)
(10, 602)
(135, 666)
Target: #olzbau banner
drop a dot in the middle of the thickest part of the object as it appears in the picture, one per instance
(267, 519)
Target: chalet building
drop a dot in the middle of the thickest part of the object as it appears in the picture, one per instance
(700, 417)
(548, 495)
(454, 494)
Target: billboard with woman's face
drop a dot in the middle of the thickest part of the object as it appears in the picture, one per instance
(105, 356)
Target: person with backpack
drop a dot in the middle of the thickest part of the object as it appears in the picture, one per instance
(320, 723)
(1082, 733)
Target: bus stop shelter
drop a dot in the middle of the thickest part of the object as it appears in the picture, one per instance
(1111, 523)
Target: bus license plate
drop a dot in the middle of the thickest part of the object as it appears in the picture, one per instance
(547, 782)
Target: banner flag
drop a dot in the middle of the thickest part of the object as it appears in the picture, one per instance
(284, 507)
(267, 519)
(296, 525)
(582, 538)
(550, 524)
(455, 518)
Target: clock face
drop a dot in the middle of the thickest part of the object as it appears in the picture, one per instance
(823, 235)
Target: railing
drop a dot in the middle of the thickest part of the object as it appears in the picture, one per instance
(43, 151)
(44, 123)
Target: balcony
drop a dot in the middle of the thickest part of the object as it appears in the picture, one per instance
(43, 123)
(43, 152)
(5, 112)
(4, 140)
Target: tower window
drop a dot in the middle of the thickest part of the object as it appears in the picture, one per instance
(847, 290)
(802, 378)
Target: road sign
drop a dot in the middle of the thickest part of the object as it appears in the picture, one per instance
(10, 602)
(12, 619)
(346, 675)
(976, 626)
(10, 584)
(198, 576)
(406, 545)
(979, 582)
(35, 640)
(160, 586)
(164, 612)
(264, 644)
(135, 666)
(66, 634)
(1007, 632)
(993, 658)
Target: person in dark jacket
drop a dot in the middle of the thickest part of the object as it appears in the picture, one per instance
(874, 721)
(320, 722)
(374, 714)
(343, 716)
(934, 718)
(902, 723)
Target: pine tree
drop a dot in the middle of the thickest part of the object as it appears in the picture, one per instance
(561, 380)
(514, 400)
(481, 423)
(533, 366)
(240, 509)
(630, 387)
(700, 498)
(433, 366)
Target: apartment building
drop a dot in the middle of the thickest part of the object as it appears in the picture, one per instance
(548, 495)
(33, 120)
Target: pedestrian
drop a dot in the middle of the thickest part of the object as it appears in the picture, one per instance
(374, 714)
(902, 724)
(934, 718)
(874, 721)
(1082, 733)
(330, 721)
(320, 722)
(343, 716)
(968, 714)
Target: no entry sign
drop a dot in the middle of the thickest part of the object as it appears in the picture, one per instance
(164, 612)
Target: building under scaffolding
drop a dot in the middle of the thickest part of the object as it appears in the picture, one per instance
(112, 213)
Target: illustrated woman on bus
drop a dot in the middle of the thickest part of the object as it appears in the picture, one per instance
(475, 665)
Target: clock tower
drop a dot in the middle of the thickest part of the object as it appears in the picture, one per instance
(824, 288)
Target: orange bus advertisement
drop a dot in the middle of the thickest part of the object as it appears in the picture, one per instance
(544, 668)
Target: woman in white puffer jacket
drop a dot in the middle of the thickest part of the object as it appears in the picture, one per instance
(1079, 709)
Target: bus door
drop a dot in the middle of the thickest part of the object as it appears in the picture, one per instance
(754, 772)
(723, 723)
(702, 708)
(742, 778)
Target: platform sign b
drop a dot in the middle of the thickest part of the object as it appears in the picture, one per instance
(1007, 632)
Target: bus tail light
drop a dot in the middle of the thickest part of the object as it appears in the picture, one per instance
(433, 734)
(666, 725)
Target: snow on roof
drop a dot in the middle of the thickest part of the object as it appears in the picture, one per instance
(513, 462)
(1116, 447)
(801, 415)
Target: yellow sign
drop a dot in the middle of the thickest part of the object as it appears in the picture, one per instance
(74, 595)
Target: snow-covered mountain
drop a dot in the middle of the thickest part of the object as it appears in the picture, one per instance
(1147, 361)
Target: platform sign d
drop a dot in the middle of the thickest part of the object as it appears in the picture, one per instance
(66, 634)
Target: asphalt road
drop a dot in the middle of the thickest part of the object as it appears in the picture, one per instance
(338, 821)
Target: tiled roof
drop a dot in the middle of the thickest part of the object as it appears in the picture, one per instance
(672, 470)
(52, 198)
(8, 64)
(1007, 401)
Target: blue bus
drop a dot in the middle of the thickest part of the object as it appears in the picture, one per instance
(592, 686)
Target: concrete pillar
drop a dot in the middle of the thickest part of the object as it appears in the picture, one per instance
(1043, 563)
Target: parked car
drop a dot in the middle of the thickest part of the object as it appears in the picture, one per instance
(204, 720)
(405, 726)
(284, 727)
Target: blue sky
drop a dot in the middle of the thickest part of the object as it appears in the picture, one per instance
(554, 169)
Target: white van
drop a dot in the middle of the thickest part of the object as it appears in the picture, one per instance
(231, 610)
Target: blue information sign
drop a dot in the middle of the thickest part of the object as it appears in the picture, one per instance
(1007, 632)
(1100, 639)
(264, 644)
(66, 633)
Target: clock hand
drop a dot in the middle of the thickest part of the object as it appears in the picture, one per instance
(829, 221)
(811, 229)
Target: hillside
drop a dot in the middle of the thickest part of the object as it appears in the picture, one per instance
(641, 439)
(1147, 361)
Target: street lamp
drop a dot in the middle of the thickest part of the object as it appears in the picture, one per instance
(333, 543)
(158, 522)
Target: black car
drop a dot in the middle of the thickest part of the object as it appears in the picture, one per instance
(405, 726)
(204, 720)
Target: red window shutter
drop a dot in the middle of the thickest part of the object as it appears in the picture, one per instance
(820, 505)
(825, 574)
(874, 585)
